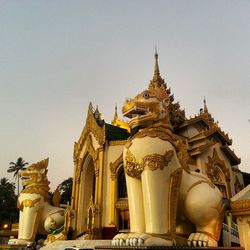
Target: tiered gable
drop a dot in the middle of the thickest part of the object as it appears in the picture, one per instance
(209, 150)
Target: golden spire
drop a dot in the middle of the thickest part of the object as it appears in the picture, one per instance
(157, 81)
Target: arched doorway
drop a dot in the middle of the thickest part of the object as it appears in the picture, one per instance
(87, 194)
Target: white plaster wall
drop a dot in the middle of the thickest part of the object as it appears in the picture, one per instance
(189, 132)
(112, 153)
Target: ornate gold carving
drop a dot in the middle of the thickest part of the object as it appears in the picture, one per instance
(159, 132)
(132, 167)
(182, 154)
(78, 170)
(92, 210)
(153, 161)
(94, 153)
(56, 198)
(91, 126)
(212, 168)
(156, 161)
(115, 165)
(215, 169)
(166, 135)
(28, 203)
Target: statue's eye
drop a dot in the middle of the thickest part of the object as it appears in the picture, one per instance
(145, 95)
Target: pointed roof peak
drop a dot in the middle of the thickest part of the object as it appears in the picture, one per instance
(156, 69)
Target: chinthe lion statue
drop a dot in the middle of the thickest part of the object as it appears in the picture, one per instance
(37, 214)
(165, 198)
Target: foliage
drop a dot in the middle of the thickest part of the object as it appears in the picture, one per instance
(8, 200)
(65, 189)
(16, 167)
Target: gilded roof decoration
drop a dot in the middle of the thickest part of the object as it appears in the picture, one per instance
(91, 126)
(119, 123)
(210, 126)
(214, 162)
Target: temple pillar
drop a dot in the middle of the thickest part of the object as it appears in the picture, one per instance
(112, 202)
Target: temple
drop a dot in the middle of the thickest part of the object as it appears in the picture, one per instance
(99, 199)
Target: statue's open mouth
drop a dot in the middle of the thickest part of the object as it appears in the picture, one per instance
(136, 112)
(25, 178)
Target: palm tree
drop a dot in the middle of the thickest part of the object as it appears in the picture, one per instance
(16, 167)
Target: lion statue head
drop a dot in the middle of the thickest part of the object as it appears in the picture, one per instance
(151, 106)
(34, 178)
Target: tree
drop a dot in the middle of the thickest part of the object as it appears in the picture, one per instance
(65, 189)
(8, 200)
(16, 167)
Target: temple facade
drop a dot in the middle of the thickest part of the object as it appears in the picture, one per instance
(99, 198)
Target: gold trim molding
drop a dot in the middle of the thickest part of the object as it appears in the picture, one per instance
(216, 161)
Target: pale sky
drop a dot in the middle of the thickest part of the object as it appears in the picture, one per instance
(57, 56)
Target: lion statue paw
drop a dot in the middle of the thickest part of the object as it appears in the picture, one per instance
(139, 240)
(201, 240)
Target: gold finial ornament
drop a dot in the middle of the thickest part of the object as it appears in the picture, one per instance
(156, 71)
(115, 115)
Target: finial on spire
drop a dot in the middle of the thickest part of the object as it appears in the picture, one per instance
(115, 116)
(205, 105)
(156, 71)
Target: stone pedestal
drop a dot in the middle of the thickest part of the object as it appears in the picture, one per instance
(106, 245)
(166, 248)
